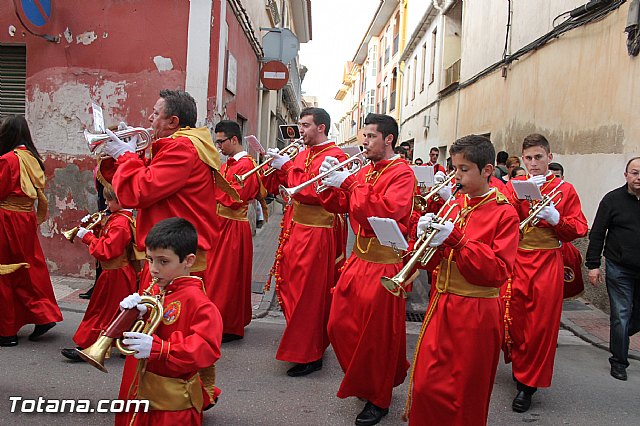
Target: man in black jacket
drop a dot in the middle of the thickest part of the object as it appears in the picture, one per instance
(617, 227)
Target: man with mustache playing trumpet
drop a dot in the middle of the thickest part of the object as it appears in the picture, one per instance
(458, 349)
(310, 248)
(367, 323)
(536, 291)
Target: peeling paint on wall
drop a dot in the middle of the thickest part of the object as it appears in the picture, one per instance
(162, 63)
(68, 36)
(86, 38)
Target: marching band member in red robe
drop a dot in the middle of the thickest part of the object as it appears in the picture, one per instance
(311, 243)
(459, 345)
(113, 249)
(233, 251)
(367, 323)
(26, 293)
(537, 286)
(186, 341)
(434, 153)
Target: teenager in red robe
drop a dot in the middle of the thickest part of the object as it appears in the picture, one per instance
(26, 293)
(459, 345)
(537, 286)
(367, 323)
(308, 250)
(113, 249)
(187, 340)
(233, 252)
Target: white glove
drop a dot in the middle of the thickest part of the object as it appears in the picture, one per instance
(133, 301)
(328, 163)
(444, 230)
(336, 178)
(278, 160)
(538, 180)
(122, 126)
(439, 177)
(139, 342)
(85, 218)
(445, 192)
(424, 223)
(549, 214)
(82, 232)
(115, 147)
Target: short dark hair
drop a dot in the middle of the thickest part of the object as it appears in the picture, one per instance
(475, 148)
(536, 139)
(385, 124)
(434, 148)
(175, 234)
(230, 129)
(502, 157)
(320, 116)
(401, 150)
(406, 145)
(14, 131)
(420, 160)
(626, 169)
(557, 167)
(182, 105)
(515, 171)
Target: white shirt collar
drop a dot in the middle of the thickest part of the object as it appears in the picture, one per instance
(240, 155)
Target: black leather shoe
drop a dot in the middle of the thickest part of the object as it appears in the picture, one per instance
(371, 414)
(87, 294)
(40, 329)
(304, 369)
(228, 337)
(618, 372)
(6, 341)
(71, 354)
(522, 402)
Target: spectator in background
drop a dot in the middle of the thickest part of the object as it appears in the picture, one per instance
(557, 169)
(512, 163)
(434, 153)
(617, 228)
(517, 171)
(501, 170)
(418, 162)
(401, 152)
(407, 146)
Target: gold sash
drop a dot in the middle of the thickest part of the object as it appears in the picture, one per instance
(12, 267)
(314, 216)
(375, 252)
(32, 181)
(452, 281)
(170, 394)
(201, 262)
(229, 213)
(117, 263)
(17, 204)
(539, 239)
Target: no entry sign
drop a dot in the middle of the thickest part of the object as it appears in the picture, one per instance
(274, 75)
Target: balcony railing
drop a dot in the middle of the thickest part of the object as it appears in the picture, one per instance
(452, 74)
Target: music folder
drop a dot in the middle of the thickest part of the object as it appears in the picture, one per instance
(424, 175)
(255, 144)
(290, 131)
(526, 190)
(388, 232)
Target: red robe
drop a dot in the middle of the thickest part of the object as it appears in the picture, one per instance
(232, 255)
(458, 353)
(26, 295)
(305, 267)
(367, 323)
(174, 183)
(437, 167)
(113, 285)
(536, 291)
(187, 340)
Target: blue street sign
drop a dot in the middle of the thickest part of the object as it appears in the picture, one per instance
(36, 11)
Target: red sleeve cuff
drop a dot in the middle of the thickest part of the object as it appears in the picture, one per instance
(456, 239)
(159, 349)
(126, 157)
(88, 238)
(287, 166)
(349, 183)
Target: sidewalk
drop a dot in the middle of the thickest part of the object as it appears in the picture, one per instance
(265, 243)
(592, 325)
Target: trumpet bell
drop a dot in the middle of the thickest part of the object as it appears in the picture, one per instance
(394, 286)
(96, 353)
(71, 234)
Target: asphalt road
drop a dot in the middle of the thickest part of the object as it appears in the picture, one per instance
(256, 390)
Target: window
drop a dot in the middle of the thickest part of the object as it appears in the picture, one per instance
(13, 75)
(392, 96)
(396, 33)
(413, 78)
(406, 97)
(423, 74)
(434, 37)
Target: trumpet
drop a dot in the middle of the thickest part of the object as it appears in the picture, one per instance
(353, 164)
(555, 196)
(93, 221)
(292, 150)
(125, 321)
(422, 253)
(96, 141)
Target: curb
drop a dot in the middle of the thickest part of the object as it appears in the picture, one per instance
(590, 338)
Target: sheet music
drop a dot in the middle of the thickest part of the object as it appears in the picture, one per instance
(424, 175)
(255, 144)
(98, 118)
(351, 150)
(526, 190)
(388, 232)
